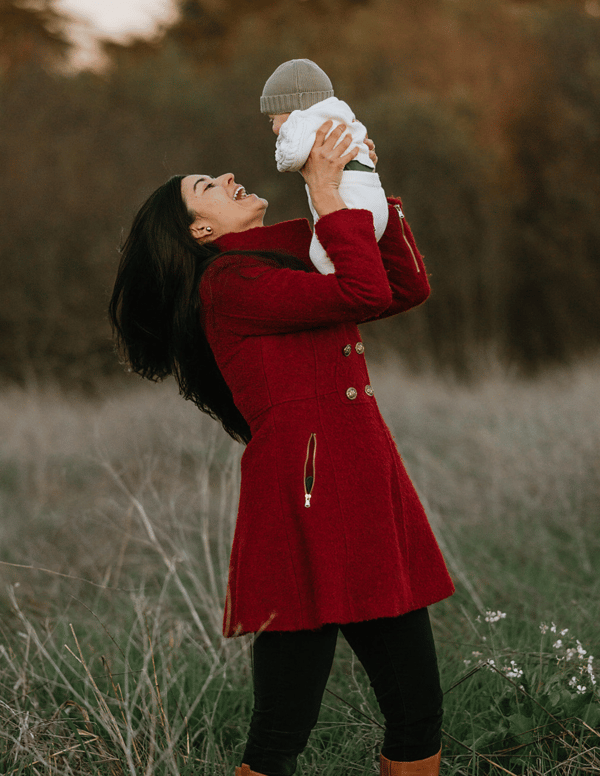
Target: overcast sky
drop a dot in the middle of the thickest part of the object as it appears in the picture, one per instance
(114, 19)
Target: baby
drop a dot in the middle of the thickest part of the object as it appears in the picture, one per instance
(298, 97)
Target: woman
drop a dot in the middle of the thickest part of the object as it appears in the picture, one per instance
(330, 532)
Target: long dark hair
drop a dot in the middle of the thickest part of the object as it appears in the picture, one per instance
(155, 308)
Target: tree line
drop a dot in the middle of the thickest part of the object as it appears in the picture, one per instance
(486, 116)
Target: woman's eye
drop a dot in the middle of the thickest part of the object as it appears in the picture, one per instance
(209, 186)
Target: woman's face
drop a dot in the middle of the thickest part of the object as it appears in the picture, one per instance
(221, 206)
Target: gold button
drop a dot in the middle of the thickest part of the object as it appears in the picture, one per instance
(352, 393)
(369, 390)
(347, 350)
(360, 348)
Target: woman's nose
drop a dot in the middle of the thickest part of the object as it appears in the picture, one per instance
(226, 179)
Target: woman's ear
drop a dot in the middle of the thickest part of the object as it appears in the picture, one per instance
(201, 231)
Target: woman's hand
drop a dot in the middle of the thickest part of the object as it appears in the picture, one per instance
(323, 169)
(371, 146)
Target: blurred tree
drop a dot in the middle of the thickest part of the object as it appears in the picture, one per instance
(204, 26)
(487, 122)
(555, 232)
(31, 32)
(211, 30)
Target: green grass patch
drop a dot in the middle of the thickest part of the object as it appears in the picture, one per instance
(117, 519)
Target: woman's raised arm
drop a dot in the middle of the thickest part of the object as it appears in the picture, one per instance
(403, 264)
(324, 166)
(250, 296)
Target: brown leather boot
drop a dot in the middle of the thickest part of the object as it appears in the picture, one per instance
(244, 770)
(428, 767)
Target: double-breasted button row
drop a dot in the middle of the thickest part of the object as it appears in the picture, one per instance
(359, 347)
(352, 393)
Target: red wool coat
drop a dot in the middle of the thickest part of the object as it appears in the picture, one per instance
(329, 528)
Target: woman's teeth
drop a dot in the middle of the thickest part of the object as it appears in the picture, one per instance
(240, 193)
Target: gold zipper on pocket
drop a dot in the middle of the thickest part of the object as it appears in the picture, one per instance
(310, 469)
(401, 217)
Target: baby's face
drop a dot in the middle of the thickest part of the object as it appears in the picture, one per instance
(277, 120)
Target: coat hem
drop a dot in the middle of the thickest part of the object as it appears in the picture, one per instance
(268, 624)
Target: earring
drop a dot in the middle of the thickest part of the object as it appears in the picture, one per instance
(208, 229)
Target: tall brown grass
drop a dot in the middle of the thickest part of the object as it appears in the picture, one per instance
(118, 516)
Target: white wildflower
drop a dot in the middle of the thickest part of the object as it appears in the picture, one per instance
(570, 653)
(467, 662)
(581, 689)
(572, 681)
(475, 653)
(513, 671)
(564, 632)
(553, 628)
(580, 649)
(590, 669)
(494, 616)
(543, 628)
(557, 644)
(490, 663)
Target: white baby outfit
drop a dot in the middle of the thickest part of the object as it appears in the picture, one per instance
(358, 188)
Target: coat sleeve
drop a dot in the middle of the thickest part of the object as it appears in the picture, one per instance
(403, 263)
(253, 297)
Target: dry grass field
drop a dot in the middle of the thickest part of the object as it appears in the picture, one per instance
(117, 518)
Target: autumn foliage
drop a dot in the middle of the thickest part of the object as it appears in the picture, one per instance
(486, 116)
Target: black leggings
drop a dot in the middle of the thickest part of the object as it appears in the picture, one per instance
(290, 672)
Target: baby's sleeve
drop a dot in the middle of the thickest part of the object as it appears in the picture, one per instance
(296, 139)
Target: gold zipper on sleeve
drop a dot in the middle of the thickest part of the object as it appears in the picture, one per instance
(401, 217)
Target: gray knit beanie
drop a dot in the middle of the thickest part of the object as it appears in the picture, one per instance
(295, 85)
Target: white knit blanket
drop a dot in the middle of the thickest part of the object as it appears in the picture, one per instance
(297, 134)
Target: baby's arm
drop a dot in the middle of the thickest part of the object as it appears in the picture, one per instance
(296, 139)
(297, 134)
